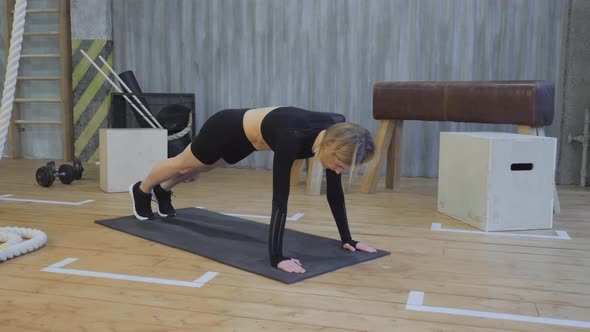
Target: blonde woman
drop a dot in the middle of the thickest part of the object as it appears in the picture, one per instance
(292, 133)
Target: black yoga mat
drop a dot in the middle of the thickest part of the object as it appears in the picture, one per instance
(241, 243)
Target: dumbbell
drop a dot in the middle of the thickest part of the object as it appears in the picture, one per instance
(66, 173)
(78, 169)
(46, 175)
(77, 164)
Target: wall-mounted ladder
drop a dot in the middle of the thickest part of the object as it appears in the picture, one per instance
(62, 18)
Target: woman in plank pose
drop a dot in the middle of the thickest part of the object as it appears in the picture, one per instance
(292, 133)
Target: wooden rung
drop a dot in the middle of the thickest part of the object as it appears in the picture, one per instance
(39, 11)
(38, 78)
(33, 122)
(42, 11)
(39, 56)
(46, 33)
(35, 100)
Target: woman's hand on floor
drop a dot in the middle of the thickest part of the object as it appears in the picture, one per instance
(291, 265)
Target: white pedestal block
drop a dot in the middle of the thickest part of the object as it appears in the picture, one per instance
(127, 156)
(497, 181)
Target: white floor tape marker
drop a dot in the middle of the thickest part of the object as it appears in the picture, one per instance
(561, 235)
(416, 300)
(57, 268)
(295, 217)
(4, 198)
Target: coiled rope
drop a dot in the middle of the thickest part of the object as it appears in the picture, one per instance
(16, 241)
(183, 132)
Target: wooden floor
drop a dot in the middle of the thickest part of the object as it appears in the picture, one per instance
(530, 277)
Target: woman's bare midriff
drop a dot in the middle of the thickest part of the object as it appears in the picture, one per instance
(252, 121)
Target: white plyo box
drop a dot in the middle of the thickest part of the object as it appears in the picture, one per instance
(128, 155)
(497, 181)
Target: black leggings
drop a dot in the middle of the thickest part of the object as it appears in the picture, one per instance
(223, 136)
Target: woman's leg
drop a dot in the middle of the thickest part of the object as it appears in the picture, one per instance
(173, 181)
(174, 170)
(167, 173)
(170, 183)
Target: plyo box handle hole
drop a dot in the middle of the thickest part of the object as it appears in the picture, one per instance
(521, 167)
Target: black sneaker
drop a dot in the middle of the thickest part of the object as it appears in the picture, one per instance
(164, 200)
(142, 202)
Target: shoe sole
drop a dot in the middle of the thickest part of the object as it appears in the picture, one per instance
(158, 207)
(133, 201)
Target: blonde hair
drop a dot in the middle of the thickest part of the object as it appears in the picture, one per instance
(350, 143)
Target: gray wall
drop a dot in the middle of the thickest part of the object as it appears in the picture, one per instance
(326, 55)
(91, 19)
(575, 95)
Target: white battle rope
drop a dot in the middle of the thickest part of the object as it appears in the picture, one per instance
(15, 241)
(18, 27)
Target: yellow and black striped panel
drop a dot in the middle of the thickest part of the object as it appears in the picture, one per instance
(92, 95)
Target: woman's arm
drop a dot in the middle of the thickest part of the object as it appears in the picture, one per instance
(280, 196)
(335, 196)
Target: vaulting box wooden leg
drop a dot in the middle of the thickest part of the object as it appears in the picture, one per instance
(382, 142)
(394, 156)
